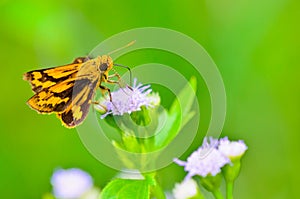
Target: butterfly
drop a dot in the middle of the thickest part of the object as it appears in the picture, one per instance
(68, 90)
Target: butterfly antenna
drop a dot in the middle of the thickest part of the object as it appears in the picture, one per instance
(118, 49)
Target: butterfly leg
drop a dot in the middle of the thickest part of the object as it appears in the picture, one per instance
(118, 81)
(103, 89)
(115, 75)
(114, 81)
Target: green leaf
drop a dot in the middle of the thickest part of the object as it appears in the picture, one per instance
(112, 122)
(141, 117)
(178, 116)
(187, 95)
(169, 131)
(125, 188)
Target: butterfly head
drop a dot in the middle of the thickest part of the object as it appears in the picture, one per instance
(106, 63)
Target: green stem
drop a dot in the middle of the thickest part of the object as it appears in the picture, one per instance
(158, 193)
(229, 190)
(156, 189)
(217, 193)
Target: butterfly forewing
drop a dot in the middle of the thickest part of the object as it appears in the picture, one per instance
(44, 78)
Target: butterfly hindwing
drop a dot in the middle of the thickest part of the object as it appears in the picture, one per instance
(81, 101)
(53, 99)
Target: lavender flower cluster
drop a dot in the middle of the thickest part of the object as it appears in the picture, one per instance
(212, 156)
(129, 99)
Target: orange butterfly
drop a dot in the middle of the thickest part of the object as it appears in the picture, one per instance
(68, 90)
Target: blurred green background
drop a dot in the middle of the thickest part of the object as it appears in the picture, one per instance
(254, 43)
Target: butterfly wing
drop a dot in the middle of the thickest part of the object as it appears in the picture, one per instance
(71, 96)
(82, 97)
(45, 78)
(88, 80)
(55, 98)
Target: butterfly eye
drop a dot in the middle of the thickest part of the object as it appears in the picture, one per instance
(103, 67)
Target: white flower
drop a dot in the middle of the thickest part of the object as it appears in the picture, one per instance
(185, 189)
(232, 149)
(127, 100)
(70, 183)
(207, 160)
